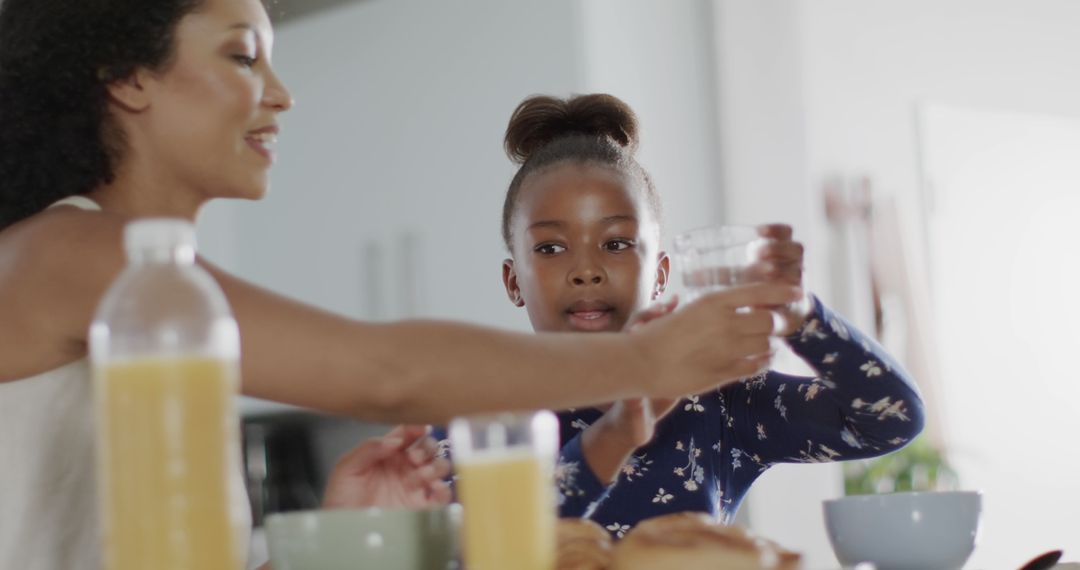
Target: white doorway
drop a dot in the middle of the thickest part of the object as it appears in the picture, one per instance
(1003, 207)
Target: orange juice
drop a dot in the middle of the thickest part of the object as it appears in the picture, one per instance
(168, 453)
(509, 510)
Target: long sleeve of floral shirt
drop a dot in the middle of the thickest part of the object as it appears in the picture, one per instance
(712, 447)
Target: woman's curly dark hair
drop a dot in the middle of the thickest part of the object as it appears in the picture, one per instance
(57, 58)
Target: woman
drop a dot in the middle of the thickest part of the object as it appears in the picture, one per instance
(119, 109)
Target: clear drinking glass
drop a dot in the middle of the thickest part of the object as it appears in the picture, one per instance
(505, 466)
(714, 258)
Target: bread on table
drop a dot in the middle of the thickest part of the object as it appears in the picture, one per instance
(693, 540)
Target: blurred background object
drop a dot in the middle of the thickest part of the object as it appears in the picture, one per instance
(918, 467)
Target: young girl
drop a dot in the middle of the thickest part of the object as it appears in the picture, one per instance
(581, 221)
(113, 110)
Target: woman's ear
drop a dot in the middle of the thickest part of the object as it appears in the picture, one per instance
(663, 270)
(511, 283)
(131, 93)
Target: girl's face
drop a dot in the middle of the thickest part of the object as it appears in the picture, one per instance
(585, 250)
(210, 117)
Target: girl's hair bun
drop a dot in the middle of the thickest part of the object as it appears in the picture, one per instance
(539, 120)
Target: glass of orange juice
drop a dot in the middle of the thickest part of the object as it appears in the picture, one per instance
(505, 466)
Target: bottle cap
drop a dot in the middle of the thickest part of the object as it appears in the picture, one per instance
(158, 234)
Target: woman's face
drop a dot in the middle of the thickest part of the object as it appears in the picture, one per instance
(211, 115)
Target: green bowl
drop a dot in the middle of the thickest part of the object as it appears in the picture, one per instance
(358, 539)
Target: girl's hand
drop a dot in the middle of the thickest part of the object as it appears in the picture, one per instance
(627, 424)
(637, 418)
(624, 427)
(782, 262)
(399, 469)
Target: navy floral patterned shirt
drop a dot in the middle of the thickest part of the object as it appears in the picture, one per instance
(709, 450)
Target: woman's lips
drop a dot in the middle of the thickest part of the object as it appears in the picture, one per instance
(262, 141)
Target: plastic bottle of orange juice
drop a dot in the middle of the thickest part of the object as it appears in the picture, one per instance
(165, 353)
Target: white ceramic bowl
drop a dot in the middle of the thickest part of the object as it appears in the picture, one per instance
(351, 539)
(905, 531)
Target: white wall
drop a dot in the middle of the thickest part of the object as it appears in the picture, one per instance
(867, 64)
(1006, 287)
(761, 119)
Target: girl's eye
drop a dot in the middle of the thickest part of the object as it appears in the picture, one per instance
(549, 248)
(245, 60)
(618, 245)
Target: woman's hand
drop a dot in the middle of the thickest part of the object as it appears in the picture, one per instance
(399, 469)
(718, 339)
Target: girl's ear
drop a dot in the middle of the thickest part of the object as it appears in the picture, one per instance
(663, 269)
(511, 283)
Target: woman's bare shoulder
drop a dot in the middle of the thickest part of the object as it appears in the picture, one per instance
(54, 267)
(60, 243)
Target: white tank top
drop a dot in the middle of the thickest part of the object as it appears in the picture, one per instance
(48, 503)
